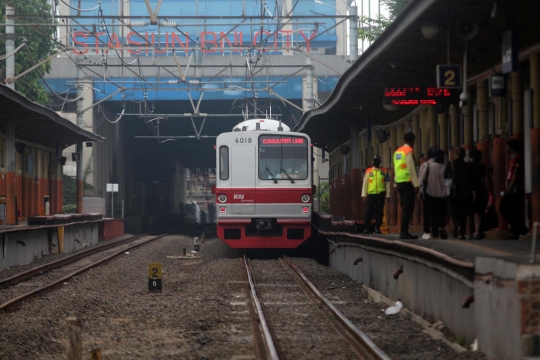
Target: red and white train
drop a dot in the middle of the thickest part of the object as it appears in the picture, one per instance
(264, 188)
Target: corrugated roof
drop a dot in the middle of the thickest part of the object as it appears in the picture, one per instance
(401, 56)
(37, 124)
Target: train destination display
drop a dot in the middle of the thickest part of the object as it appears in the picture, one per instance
(420, 96)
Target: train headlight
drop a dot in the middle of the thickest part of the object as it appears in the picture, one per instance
(305, 198)
(222, 198)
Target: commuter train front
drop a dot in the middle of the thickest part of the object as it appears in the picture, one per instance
(263, 186)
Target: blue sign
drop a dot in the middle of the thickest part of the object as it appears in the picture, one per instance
(449, 76)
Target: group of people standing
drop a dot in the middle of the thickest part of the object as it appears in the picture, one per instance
(466, 183)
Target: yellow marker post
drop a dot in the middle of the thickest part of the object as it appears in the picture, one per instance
(384, 227)
(60, 239)
(154, 277)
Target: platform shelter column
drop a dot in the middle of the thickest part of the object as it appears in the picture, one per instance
(442, 120)
(482, 102)
(362, 146)
(369, 147)
(355, 173)
(393, 206)
(516, 92)
(400, 132)
(432, 121)
(499, 153)
(454, 127)
(535, 137)
(423, 136)
(416, 131)
(467, 111)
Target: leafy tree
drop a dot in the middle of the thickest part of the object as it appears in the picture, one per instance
(38, 44)
(371, 28)
(323, 194)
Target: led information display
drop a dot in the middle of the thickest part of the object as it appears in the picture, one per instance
(420, 96)
(283, 140)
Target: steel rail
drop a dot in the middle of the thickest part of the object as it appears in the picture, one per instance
(370, 351)
(19, 299)
(15, 279)
(271, 351)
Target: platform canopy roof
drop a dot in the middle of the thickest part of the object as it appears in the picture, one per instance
(403, 57)
(37, 124)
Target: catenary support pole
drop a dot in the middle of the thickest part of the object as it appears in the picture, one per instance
(11, 216)
(79, 179)
(10, 47)
(353, 34)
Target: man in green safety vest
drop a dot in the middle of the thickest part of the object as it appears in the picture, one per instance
(375, 190)
(407, 182)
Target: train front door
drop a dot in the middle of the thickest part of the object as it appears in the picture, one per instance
(243, 176)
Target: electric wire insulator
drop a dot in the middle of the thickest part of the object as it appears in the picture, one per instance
(137, 23)
(169, 24)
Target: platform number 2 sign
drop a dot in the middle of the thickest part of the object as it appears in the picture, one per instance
(449, 76)
(154, 277)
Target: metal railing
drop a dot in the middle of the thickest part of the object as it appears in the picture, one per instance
(94, 205)
(115, 211)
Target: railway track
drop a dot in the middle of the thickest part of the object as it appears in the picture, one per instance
(281, 300)
(14, 289)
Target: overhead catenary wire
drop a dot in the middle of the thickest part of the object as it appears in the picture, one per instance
(111, 121)
(64, 99)
(82, 10)
(280, 9)
(4, 57)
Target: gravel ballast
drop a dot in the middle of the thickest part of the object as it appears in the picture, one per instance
(204, 311)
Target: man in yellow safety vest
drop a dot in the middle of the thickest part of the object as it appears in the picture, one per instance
(375, 189)
(407, 182)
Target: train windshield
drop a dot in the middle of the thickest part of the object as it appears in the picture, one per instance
(283, 157)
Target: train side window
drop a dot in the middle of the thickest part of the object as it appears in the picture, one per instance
(224, 163)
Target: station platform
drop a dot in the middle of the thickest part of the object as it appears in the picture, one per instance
(482, 290)
(39, 236)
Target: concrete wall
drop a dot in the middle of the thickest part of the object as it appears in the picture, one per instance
(425, 288)
(79, 236)
(111, 229)
(23, 247)
(507, 303)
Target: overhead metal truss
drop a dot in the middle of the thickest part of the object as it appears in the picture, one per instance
(184, 70)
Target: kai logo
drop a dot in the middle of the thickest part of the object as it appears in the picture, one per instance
(238, 196)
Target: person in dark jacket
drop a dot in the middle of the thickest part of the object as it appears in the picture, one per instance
(461, 193)
(479, 196)
(512, 206)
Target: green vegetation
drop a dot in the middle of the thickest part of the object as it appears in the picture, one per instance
(70, 193)
(371, 28)
(323, 194)
(38, 44)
